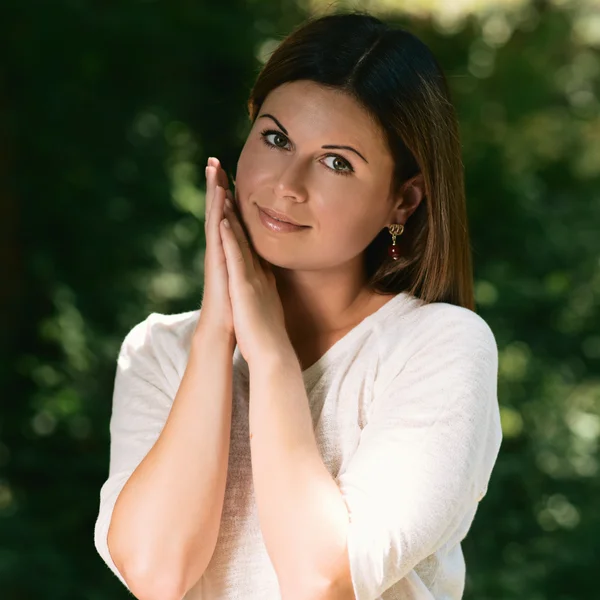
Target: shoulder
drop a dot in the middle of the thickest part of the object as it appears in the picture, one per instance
(443, 323)
(456, 348)
(416, 324)
(454, 339)
(436, 338)
(160, 336)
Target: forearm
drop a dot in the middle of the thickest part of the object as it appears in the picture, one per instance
(302, 514)
(167, 517)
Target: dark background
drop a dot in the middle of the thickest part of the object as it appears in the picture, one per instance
(108, 112)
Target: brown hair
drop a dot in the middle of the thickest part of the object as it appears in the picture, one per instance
(396, 78)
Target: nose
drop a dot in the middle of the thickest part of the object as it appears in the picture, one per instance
(291, 180)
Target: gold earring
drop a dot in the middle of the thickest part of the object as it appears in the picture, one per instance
(395, 230)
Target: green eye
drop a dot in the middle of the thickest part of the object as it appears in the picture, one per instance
(339, 164)
(277, 136)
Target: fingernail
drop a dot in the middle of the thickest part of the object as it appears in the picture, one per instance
(228, 203)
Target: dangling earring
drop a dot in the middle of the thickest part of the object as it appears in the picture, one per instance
(393, 250)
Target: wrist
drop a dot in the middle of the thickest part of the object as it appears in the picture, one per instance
(275, 357)
(208, 333)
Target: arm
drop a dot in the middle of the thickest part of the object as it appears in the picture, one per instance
(423, 462)
(301, 511)
(425, 456)
(166, 517)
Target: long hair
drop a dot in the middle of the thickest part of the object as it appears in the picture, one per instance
(395, 77)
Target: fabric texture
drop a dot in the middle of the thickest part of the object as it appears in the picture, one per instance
(406, 418)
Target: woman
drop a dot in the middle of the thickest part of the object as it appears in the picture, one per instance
(326, 424)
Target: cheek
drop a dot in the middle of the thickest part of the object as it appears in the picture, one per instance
(243, 168)
(345, 231)
(243, 179)
(250, 171)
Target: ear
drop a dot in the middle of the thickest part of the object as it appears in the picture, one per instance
(409, 197)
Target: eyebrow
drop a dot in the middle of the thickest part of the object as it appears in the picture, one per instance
(328, 147)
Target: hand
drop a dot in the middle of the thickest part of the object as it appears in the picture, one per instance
(258, 315)
(216, 308)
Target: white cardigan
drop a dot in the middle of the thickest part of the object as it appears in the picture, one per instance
(406, 417)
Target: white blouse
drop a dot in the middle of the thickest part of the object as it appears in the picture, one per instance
(406, 418)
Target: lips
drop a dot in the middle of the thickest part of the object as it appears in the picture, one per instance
(280, 216)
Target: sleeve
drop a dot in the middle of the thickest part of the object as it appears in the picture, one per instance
(425, 456)
(140, 408)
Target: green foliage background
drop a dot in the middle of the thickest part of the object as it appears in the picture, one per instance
(108, 112)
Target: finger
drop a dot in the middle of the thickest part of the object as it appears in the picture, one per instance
(223, 180)
(236, 225)
(212, 183)
(214, 168)
(215, 219)
(241, 237)
(210, 192)
(237, 267)
(221, 175)
(217, 211)
(207, 196)
(234, 206)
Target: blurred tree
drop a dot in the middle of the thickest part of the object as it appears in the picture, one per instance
(526, 87)
(109, 111)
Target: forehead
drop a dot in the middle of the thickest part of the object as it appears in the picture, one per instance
(310, 111)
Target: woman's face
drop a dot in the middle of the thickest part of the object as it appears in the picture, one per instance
(343, 195)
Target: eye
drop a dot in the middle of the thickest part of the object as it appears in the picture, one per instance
(278, 138)
(340, 166)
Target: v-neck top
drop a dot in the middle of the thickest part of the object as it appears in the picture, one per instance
(329, 357)
(406, 418)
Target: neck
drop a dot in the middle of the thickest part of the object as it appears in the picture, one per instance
(320, 303)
